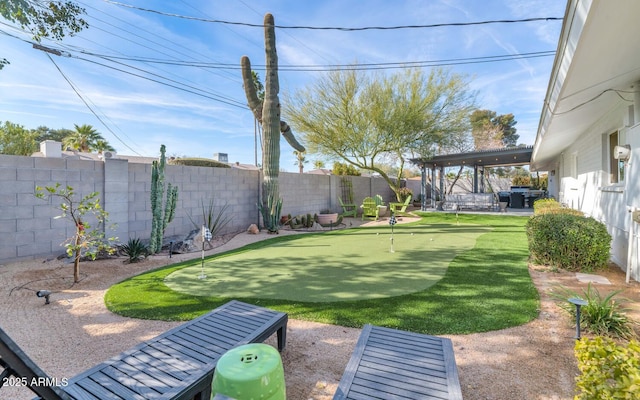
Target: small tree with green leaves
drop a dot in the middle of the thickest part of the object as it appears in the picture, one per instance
(89, 237)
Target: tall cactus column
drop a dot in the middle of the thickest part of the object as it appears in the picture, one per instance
(160, 218)
(267, 113)
(271, 114)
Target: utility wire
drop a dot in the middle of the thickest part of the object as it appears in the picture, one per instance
(331, 67)
(231, 102)
(88, 106)
(335, 28)
(594, 98)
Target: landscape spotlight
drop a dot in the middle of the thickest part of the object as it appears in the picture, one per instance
(45, 294)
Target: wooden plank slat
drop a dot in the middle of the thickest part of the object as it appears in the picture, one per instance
(105, 387)
(392, 364)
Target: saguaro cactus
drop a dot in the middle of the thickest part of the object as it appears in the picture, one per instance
(160, 217)
(267, 113)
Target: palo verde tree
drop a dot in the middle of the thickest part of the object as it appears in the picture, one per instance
(88, 218)
(267, 112)
(46, 19)
(367, 120)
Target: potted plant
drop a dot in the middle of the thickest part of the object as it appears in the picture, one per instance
(326, 217)
(417, 202)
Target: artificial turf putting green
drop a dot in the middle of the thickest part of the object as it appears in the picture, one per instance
(354, 264)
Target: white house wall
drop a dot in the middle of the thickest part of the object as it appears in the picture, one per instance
(585, 186)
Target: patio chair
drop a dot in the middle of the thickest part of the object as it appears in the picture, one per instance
(400, 208)
(348, 210)
(15, 363)
(382, 208)
(369, 208)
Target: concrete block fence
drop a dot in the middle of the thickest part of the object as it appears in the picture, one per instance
(28, 229)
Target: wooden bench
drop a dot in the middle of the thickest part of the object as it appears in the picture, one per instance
(179, 363)
(393, 364)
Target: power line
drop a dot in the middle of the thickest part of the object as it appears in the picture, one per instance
(229, 101)
(333, 67)
(336, 28)
(88, 106)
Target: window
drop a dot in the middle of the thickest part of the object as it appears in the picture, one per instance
(573, 167)
(616, 167)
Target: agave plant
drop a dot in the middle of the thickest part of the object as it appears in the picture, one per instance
(135, 250)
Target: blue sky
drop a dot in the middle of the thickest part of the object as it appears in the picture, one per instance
(142, 114)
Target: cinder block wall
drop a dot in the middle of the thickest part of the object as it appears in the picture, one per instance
(28, 228)
(27, 224)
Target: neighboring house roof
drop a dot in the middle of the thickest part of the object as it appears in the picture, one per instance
(595, 70)
(79, 155)
(248, 167)
(321, 171)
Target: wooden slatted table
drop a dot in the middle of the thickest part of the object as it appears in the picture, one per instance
(179, 364)
(392, 364)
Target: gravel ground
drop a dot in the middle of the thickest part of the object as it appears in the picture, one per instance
(76, 331)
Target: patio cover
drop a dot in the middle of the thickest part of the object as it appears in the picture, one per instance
(510, 156)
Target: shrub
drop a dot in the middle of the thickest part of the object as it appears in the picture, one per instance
(570, 242)
(198, 162)
(551, 206)
(601, 315)
(608, 370)
(135, 250)
(404, 193)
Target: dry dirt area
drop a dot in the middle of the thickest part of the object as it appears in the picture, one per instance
(76, 331)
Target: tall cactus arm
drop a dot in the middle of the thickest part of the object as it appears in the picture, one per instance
(288, 135)
(255, 105)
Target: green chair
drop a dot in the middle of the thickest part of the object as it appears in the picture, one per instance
(348, 210)
(369, 208)
(382, 208)
(400, 208)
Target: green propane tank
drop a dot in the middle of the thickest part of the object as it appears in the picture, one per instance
(250, 372)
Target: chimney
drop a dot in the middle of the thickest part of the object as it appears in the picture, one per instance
(51, 149)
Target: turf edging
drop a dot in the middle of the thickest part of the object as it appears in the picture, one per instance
(485, 288)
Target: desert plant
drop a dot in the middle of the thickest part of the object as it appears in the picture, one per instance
(271, 213)
(160, 217)
(87, 240)
(607, 370)
(603, 315)
(214, 218)
(135, 250)
(267, 113)
(403, 193)
(571, 242)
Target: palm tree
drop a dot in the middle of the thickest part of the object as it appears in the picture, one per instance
(102, 145)
(85, 138)
(301, 159)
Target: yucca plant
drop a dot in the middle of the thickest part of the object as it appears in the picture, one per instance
(214, 218)
(603, 315)
(135, 250)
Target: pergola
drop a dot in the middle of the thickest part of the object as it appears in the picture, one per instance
(478, 160)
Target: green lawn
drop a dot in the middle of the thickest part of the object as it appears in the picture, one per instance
(446, 278)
